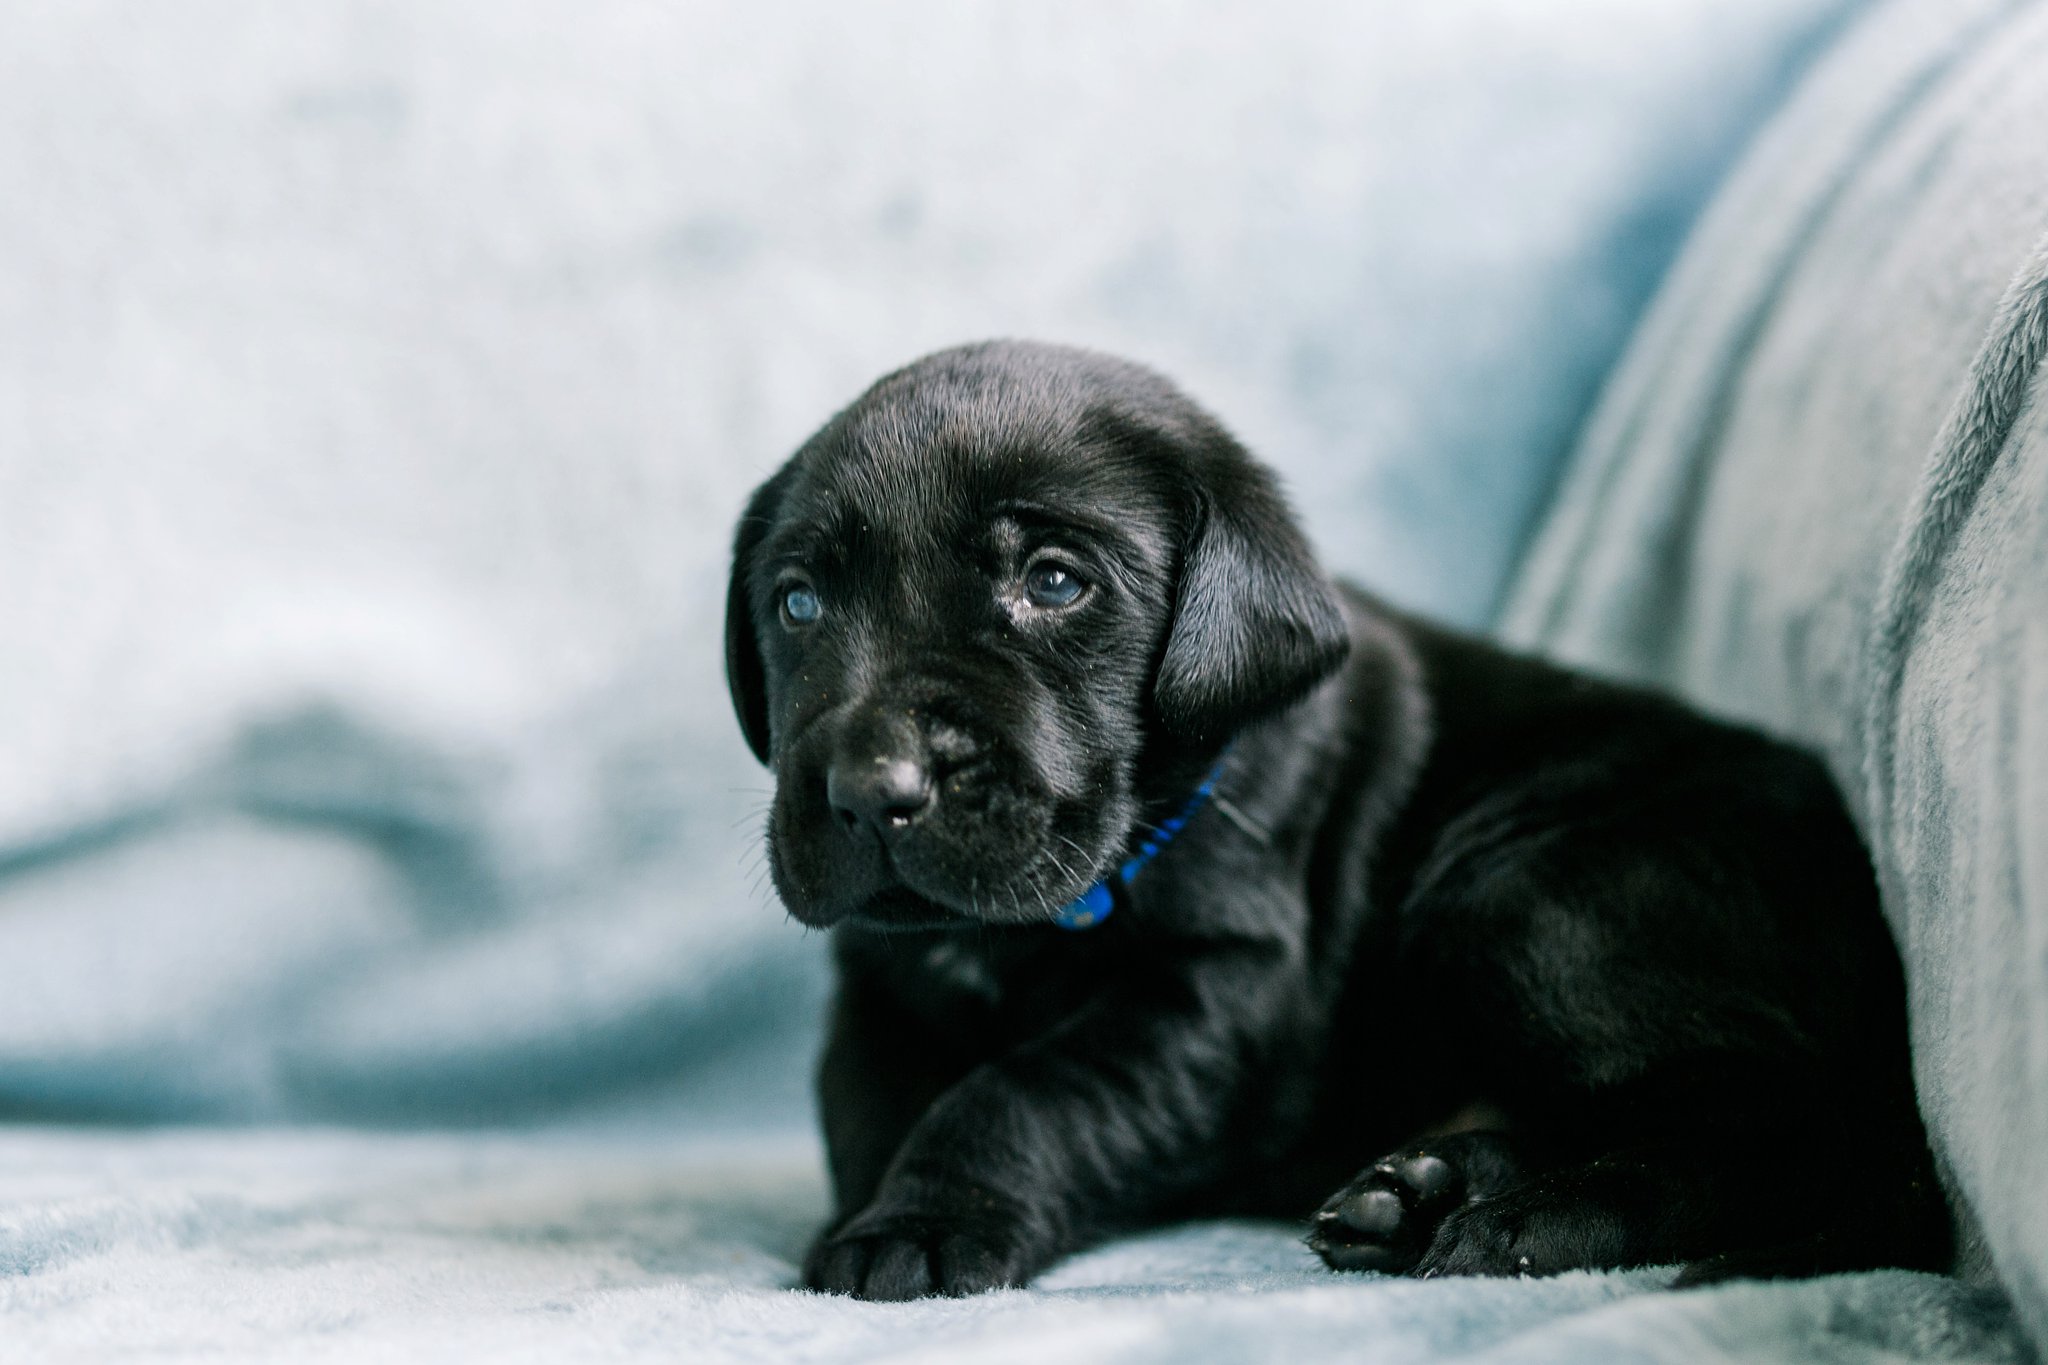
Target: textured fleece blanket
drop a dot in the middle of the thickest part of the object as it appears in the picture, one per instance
(377, 382)
(1817, 496)
(230, 1247)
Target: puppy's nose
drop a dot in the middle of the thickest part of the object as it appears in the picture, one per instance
(887, 794)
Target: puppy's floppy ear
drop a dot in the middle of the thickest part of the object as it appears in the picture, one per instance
(744, 674)
(1255, 622)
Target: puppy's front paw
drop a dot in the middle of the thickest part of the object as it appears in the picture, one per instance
(884, 1254)
(1384, 1219)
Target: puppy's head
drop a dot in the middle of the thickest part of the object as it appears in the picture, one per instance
(992, 614)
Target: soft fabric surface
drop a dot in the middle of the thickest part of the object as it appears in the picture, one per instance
(313, 1246)
(380, 381)
(1817, 496)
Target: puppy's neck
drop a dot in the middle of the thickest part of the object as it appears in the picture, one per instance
(1096, 904)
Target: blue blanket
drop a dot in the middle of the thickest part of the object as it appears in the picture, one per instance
(391, 376)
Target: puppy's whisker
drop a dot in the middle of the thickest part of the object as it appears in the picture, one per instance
(1082, 855)
(1067, 875)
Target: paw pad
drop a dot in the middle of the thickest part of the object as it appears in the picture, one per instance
(1385, 1218)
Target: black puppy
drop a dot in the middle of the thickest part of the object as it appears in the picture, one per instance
(1168, 879)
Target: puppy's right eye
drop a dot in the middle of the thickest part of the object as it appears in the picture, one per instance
(800, 604)
(1050, 585)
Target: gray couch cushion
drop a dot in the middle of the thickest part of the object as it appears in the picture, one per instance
(1814, 496)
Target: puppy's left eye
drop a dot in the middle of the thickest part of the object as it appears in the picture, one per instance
(800, 604)
(1049, 585)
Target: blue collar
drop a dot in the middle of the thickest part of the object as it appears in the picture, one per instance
(1092, 906)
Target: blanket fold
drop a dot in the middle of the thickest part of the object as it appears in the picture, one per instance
(1829, 515)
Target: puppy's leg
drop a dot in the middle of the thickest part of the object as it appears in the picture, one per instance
(1675, 978)
(1642, 1207)
(1470, 1204)
(1687, 1202)
(1097, 1123)
(881, 1070)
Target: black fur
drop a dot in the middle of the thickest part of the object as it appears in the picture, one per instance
(1573, 975)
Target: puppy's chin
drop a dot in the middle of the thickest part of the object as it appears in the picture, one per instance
(900, 910)
(903, 906)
